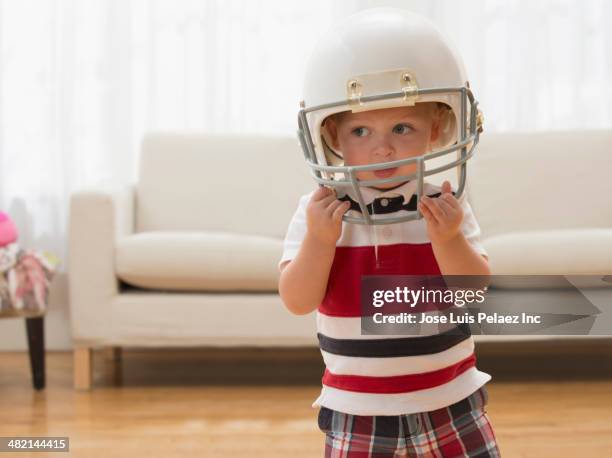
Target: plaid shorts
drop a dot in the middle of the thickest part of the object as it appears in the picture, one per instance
(459, 430)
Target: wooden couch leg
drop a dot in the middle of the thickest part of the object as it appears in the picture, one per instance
(35, 328)
(112, 354)
(113, 372)
(83, 368)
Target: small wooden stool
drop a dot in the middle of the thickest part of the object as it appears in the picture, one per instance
(35, 328)
(27, 274)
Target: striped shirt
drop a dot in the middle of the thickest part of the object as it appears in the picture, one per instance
(386, 374)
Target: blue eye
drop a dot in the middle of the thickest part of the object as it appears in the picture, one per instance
(360, 131)
(402, 129)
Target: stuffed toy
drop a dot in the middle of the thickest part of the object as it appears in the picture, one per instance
(25, 275)
(8, 231)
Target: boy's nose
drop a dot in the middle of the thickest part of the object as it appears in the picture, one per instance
(384, 150)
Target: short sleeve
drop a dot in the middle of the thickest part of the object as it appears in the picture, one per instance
(296, 231)
(470, 227)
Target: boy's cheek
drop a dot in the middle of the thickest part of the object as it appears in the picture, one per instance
(355, 157)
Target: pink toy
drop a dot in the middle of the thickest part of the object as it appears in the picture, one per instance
(8, 231)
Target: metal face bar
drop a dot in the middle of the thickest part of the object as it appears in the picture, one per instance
(450, 165)
(420, 169)
(392, 164)
(362, 205)
(396, 219)
(306, 131)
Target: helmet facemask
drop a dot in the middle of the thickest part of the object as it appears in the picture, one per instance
(454, 138)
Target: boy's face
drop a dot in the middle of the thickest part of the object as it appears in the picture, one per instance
(384, 135)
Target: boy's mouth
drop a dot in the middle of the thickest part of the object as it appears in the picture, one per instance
(384, 173)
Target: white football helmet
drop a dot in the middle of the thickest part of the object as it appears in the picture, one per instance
(383, 58)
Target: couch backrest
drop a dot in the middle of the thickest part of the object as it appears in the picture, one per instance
(534, 181)
(187, 182)
(516, 182)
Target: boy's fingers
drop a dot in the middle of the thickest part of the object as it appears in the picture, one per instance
(332, 206)
(451, 200)
(325, 201)
(446, 187)
(433, 206)
(321, 192)
(340, 210)
(338, 203)
(426, 213)
(446, 207)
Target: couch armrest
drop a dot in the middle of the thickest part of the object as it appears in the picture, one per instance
(98, 218)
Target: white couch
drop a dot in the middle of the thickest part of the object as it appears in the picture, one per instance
(188, 255)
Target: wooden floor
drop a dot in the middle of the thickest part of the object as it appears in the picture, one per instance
(256, 403)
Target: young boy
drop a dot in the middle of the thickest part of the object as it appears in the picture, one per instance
(385, 395)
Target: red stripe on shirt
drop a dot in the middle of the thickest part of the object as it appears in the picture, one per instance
(343, 295)
(398, 383)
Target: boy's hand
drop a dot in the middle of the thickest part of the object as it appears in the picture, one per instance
(324, 215)
(443, 215)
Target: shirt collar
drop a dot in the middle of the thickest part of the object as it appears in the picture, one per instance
(406, 189)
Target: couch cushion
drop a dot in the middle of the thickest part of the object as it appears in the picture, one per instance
(199, 261)
(541, 180)
(554, 252)
(244, 184)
